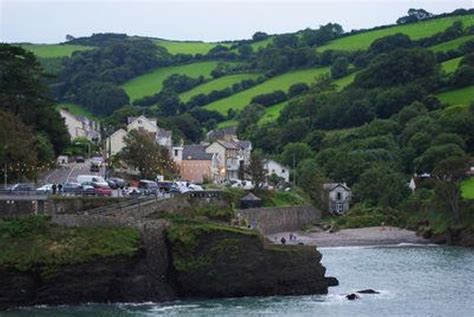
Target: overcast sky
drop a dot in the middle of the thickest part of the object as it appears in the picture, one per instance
(41, 21)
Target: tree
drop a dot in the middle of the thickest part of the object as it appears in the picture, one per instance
(340, 67)
(311, 180)
(256, 168)
(245, 51)
(142, 152)
(391, 42)
(259, 36)
(294, 153)
(449, 173)
(381, 186)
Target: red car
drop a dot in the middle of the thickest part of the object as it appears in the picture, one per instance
(99, 190)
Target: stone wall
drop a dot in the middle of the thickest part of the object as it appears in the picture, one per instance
(279, 219)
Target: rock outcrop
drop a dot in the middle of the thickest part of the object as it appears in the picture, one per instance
(183, 261)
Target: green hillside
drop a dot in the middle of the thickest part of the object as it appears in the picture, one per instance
(467, 188)
(54, 50)
(272, 113)
(451, 45)
(451, 65)
(462, 96)
(261, 44)
(151, 83)
(216, 84)
(186, 47)
(415, 31)
(282, 82)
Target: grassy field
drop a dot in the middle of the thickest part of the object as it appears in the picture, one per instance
(451, 65)
(467, 188)
(54, 50)
(261, 44)
(186, 47)
(151, 83)
(450, 45)
(463, 96)
(76, 110)
(415, 31)
(216, 84)
(282, 82)
(227, 124)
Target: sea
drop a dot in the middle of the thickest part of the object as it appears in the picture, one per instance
(412, 281)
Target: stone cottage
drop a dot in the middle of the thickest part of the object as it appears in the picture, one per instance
(338, 197)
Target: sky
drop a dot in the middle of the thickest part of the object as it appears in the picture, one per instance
(42, 21)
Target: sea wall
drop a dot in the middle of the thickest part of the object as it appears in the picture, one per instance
(279, 219)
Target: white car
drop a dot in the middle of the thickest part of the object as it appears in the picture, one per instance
(195, 188)
(45, 189)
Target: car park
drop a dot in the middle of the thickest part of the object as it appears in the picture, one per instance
(96, 189)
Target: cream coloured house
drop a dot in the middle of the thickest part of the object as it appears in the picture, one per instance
(142, 123)
(79, 126)
(115, 142)
(273, 167)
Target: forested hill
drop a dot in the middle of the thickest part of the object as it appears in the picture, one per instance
(322, 79)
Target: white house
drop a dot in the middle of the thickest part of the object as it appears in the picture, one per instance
(115, 142)
(142, 123)
(79, 126)
(272, 167)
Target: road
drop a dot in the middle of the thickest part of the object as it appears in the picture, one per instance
(68, 173)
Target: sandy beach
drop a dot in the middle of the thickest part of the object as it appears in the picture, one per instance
(351, 237)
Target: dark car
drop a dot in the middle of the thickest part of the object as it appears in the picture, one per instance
(80, 159)
(72, 188)
(94, 168)
(120, 182)
(112, 184)
(19, 189)
(148, 187)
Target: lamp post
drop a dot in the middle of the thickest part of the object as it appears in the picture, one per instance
(5, 167)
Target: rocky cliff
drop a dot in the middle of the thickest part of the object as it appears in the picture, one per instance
(184, 260)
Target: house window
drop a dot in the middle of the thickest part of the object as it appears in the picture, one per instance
(175, 152)
(339, 196)
(273, 170)
(283, 171)
(339, 208)
(139, 121)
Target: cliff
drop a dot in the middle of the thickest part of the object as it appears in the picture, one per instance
(180, 260)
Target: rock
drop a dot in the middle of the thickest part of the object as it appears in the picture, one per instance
(352, 296)
(368, 291)
(332, 281)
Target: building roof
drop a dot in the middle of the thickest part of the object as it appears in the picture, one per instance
(229, 145)
(196, 152)
(332, 186)
(162, 133)
(221, 133)
(131, 119)
(250, 197)
(244, 144)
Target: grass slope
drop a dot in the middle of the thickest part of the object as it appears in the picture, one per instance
(462, 96)
(272, 113)
(451, 65)
(54, 50)
(76, 110)
(282, 82)
(186, 47)
(216, 84)
(450, 45)
(151, 83)
(415, 31)
(467, 188)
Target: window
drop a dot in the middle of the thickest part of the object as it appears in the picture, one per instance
(283, 171)
(339, 196)
(273, 170)
(139, 121)
(175, 152)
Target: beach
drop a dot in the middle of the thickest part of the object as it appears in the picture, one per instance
(383, 235)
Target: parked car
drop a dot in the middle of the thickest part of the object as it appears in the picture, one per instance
(165, 186)
(81, 179)
(148, 187)
(73, 188)
(19, 189)
(80, 159)
(132, 191)
(87, 190)
(95, 168)
(111, 183)
(120, 182)
(45, 189)
(98, 189)
(97, 160)
(195, 188)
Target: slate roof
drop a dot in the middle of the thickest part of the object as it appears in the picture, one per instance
(332, 186)
(196, 152)
(250, 197)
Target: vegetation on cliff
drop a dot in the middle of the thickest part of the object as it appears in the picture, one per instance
(34, 244)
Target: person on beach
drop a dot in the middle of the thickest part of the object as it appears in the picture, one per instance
(60, 189)
(283, 240)
(54, 188)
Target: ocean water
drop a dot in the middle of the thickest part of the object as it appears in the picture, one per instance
(412, 281)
